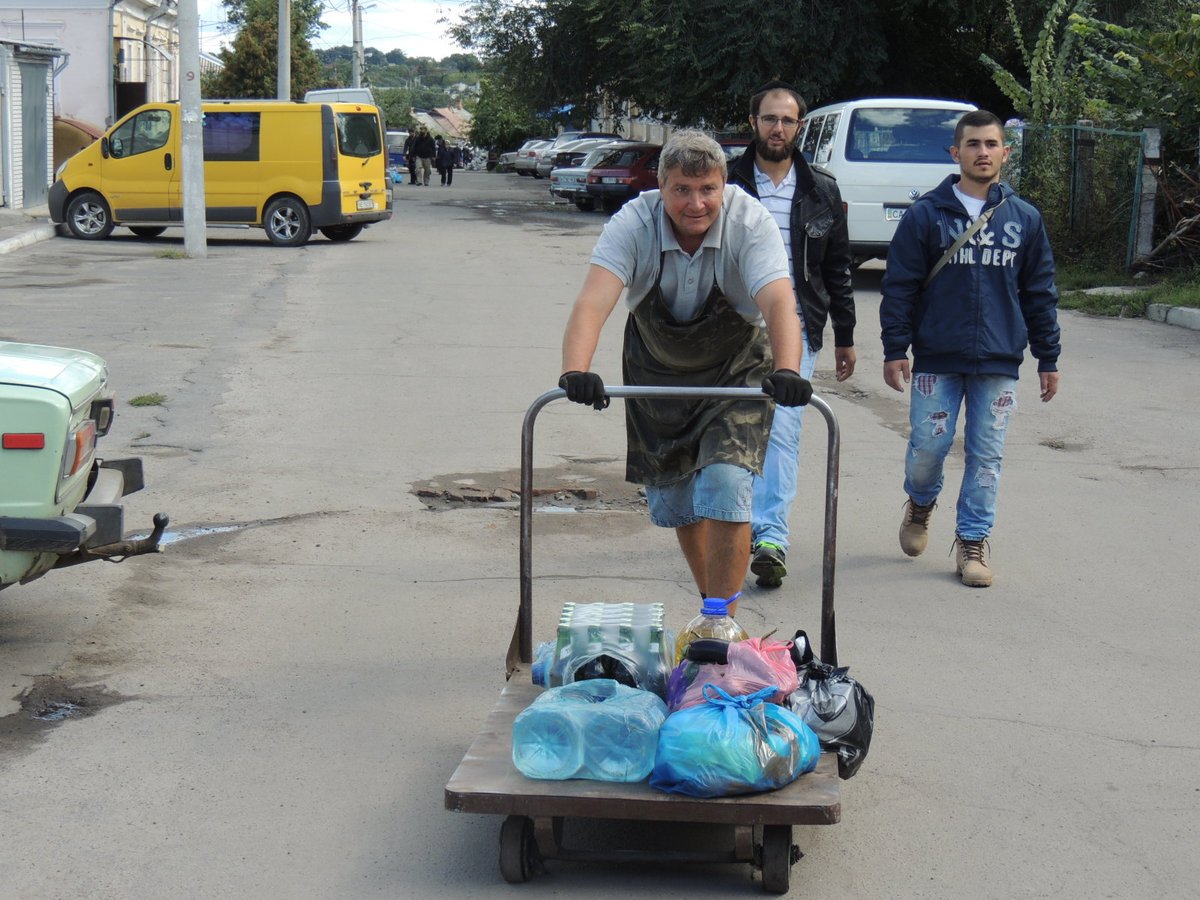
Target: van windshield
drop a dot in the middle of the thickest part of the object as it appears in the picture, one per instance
(358, 134)
(904, 134)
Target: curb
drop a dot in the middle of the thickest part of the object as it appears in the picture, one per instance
(1184, 316)
(25, 239)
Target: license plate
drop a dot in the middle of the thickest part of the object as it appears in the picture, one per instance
(366, 204)
(893, 213)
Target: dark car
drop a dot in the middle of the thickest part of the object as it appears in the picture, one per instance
(570, 181)
(734, 148)
(624, 175)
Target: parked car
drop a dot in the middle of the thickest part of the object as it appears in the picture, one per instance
(555, 157)
(570, 182)
(60, 503)
(734, 148)
(628, 172)
(885, 153)
(504, 162)
(527, 156)
(567, 137)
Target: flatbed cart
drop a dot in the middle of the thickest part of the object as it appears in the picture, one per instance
(486, 781)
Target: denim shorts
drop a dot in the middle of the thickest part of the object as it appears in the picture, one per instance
(720, 491)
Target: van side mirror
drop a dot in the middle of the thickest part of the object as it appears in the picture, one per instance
(104, 147)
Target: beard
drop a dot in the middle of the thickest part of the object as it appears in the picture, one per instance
(764, 150)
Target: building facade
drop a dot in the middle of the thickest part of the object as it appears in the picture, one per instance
(117, 54)
(26, 123)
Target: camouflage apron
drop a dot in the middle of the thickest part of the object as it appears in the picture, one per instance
(670, 438)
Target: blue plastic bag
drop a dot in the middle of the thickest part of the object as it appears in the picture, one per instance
(732, 745)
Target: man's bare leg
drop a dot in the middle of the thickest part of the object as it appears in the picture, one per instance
(718, 553)
(692, 539)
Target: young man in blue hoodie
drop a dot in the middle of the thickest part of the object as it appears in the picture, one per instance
(967, 308)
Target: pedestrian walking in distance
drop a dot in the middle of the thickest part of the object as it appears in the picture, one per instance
(969, 284)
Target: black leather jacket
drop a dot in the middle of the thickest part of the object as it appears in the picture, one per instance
(820, 248)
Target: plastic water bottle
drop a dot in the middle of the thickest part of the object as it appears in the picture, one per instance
(546, 743)
(714, 621)
(543, 657)
(621, 745)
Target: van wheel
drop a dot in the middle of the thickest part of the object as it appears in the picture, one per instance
(88, 217)
(147, 231)
(287, 222)
(342, 232)
(587, 204)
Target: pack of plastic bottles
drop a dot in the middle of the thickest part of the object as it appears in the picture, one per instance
(625, 642)
(596, 729)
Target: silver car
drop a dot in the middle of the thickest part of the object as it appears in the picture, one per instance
(527, 156)
(570, 153)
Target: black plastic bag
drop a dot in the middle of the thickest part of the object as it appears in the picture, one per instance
(834, 705)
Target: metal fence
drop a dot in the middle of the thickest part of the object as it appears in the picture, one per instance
(1087, 182)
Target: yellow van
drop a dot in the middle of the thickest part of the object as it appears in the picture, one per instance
(286, 167)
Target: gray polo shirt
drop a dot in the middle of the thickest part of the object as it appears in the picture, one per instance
(743, 248)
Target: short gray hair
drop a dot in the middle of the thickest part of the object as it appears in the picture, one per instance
(693, 153)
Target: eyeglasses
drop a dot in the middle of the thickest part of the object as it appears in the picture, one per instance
(772, 121)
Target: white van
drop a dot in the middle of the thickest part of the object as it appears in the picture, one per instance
(341, 95)
(885, 153)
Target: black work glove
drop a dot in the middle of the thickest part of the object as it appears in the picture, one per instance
(787, 387)
(586, 388)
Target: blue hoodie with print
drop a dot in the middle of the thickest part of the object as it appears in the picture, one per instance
(992, 299)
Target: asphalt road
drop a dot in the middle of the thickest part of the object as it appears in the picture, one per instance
(272, 707)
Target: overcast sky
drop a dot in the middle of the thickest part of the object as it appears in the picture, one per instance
(408, 25)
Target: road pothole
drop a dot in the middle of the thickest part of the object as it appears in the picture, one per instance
(50, 701)
(580, 484)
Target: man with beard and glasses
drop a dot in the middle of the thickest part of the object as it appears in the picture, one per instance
(805, 202)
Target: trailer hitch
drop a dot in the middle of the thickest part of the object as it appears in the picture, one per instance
(119, 551)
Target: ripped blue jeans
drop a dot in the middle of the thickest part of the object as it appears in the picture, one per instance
(936, 399)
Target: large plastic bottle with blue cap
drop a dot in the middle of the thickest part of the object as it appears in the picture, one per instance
(714, 621)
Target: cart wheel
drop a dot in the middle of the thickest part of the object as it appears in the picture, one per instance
(518, 850)
(777, 858)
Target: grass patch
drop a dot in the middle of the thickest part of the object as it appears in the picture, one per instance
(1176, 289)
(149, 400)
(1073, 276)
(172, 254)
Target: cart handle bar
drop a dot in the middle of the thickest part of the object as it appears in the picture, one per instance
(521, 647)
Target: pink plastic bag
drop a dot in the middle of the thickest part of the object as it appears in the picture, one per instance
(752, 665)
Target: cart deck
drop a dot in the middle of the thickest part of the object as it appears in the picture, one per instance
(487, 781)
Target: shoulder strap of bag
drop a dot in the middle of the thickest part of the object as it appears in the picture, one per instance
(962, 239)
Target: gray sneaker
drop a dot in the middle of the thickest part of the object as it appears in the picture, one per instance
(971, 562)
(769, 564)
(914, 529)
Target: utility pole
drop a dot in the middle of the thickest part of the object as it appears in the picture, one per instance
(191, 161)
(356, 60)
(284, 67)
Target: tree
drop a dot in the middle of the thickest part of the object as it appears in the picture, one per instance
(1054, 94)
(305, 13)
(397, 105)
(462, 62)
(1147, 76)
(694, 63)
(501, 120)
(251, 65)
